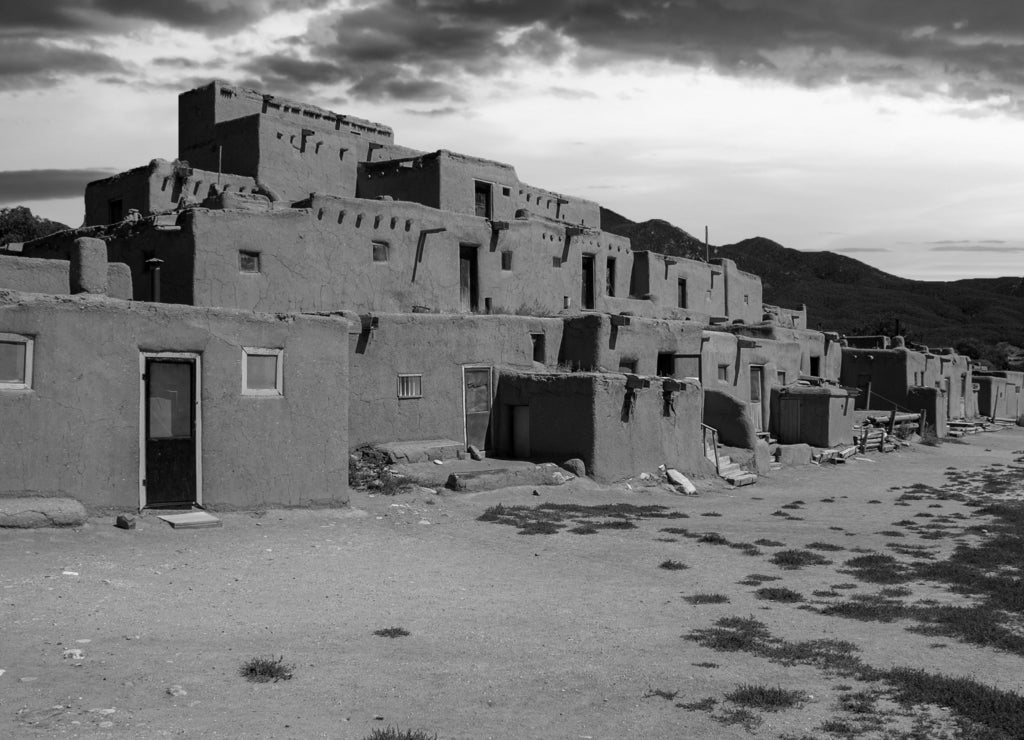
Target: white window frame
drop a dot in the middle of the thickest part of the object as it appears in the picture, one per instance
(399, 385)
(278, 389)
(29, 343)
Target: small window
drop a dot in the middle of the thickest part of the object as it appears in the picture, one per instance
(261, 372)
(506, 260)
(248, 261)
(15, 362)
(381, 251)
(482, 198)
(666, 365)
(627, 365)
(609, 282)
(816, 366)
(723, 373)
(506, 192)
(782, 377)
(681, 293)
(538, 347)
(746, 299)
(410, 386)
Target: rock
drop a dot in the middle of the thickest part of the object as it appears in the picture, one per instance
(176, 690)
(679, 480)
(575, 466)
(798, 454)
(74, 654)
(125, 521)
(536, 492)
(40, 511)
(474, 452)
(645, 476)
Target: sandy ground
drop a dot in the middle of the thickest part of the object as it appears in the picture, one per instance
(512, 636)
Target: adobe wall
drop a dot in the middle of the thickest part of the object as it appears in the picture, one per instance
(63, 277)
(617, 431)
(656, 281)
(890, 371)
(201, 109)
(1000, 394)
(437, 347)
(610, 343)
(132, 244)
(157, 188)
(814, 345)
(417, 180)
(76, 431)
(285, 158)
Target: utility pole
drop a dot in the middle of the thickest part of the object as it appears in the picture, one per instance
(707, 253)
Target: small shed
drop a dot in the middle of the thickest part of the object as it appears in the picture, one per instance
(816, 415)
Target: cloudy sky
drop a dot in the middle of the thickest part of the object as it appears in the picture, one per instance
(888, 130)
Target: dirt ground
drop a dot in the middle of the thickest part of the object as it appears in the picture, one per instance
(511, 635)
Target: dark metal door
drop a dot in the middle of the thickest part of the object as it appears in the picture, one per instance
(477, 382)
(170, 432)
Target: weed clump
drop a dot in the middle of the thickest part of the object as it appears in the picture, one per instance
(706, 599)
(392, 632)
(780, 594)
(793, 559)
(673, 565)
(393, 733)
(766, 698)
(265, 669)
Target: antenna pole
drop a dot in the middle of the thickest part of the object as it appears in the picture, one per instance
(707, 253)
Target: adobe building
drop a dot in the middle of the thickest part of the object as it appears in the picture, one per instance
(465, 307)
(1000, 394)
(125, 404)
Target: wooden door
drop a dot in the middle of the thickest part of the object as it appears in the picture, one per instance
(477, 395)
(170, 426)
(468, 289)
(756, 395)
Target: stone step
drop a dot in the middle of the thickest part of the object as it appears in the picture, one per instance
(742, 479)
(730, 469)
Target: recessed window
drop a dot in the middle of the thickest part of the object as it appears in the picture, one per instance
(539, 352)
(666, 365)
(249, 261)
(15, 362)
(482, 198)
(746, 299)
(115, 210)
(782, 377)
(609, 278)
(723, 373)
(627, 365)
(681, 293)
(410, 386)
(815, 366)
(506, 260)
(381, 251)
(506, 192)
(262, 371)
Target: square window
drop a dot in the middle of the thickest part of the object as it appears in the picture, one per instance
(666, 365)
(248, 261)
(723, 373)
(506, 192)
(381, 251)
(628, 365)
(262, 372)
(410, 386)
(15, 362)
(506, 260)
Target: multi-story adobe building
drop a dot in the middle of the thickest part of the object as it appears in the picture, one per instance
(465, 307)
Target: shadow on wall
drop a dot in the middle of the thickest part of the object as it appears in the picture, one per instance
(731, 417)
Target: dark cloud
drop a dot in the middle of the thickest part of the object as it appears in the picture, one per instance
(27, 64)
(17, 186)
(968, 51)
(60, 17)
(448, 110)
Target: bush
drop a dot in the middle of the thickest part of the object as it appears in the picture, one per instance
(265, 669)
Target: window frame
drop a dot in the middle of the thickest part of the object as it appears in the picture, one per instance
(506, 259)
(29, 342)
(408, 396)
(723, 366)
(374, 243)
(278, 389)
(242, 254)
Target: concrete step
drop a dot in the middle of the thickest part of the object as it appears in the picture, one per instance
(730, 469)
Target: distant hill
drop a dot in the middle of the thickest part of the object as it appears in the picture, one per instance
(18, 224)
(983, 317)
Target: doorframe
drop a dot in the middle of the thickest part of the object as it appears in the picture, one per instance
(761, 392)
(198, 360)
(490, 371)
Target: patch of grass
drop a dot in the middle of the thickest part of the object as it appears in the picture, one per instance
(756, 579)
(739, 716)
(707, 599)
(858, 702)
(891, 533)
(712, 538)
(824, 546)
(746, 548)
(706, 665)
(766, 698)
(589, 529)
(895, 591)
(393, 733)
(867, 608)
(874, 501)
(711, 513)
(676, 530)
(780, 594)
(392, 632)
(843, 586)
(769, 543)
(876, 567)
(264, 669)
(794, 505)
(793, 559)
(661, 694)
(552, 518)
(673, 565)
(702, 705)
